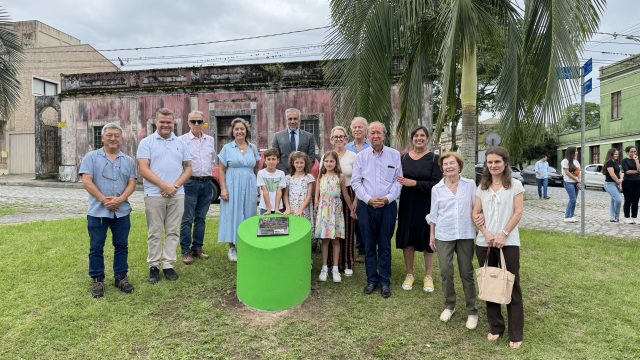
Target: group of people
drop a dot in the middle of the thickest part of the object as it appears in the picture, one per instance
(177, 183)
(622, 176)
(353, 209)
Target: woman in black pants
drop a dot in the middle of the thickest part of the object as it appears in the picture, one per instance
(631, 185)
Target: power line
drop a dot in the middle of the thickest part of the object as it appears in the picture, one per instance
(610, 53)
(194, 44)
(191, 56)
(614, 42)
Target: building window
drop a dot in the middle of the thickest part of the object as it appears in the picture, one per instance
(97, 137)
(595, 154)
(311, 123)
(44, 88)
(616, 105)
(618, 146)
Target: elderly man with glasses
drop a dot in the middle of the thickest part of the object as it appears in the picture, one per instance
(109, 176)
(197, 190)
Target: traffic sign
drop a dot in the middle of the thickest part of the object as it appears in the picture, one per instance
(586, 68)
(586, 88)
(568, 72)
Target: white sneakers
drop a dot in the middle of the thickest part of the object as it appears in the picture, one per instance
(348, 272)
(629, 220)
(323, 274)
(336, 276)
(233, 256)
(571, 220)
(446, 314)
(472, 322)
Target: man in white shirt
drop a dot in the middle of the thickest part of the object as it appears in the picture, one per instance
(197, 190)
(542, 176)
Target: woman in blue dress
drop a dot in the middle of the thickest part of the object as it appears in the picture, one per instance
(238, 163)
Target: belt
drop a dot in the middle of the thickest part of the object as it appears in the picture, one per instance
(202, 178)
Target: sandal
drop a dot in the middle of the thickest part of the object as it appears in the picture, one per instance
(515, 344)
(492, 337)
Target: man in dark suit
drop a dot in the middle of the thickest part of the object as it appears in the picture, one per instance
(293, 138)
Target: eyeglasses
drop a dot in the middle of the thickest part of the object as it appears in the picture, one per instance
(196, 122)
(111, 170)
(338, 137)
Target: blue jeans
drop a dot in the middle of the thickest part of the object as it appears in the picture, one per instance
(572, 191)
(376, 228)
(616, 199)
(197, 198)
(542, 185)
(97, 228)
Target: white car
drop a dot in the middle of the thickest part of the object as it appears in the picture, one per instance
(593, 176)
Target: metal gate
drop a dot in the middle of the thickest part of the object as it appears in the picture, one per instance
(48, 137)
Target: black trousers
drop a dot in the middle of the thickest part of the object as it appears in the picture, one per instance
(515, 309)
(631, 192)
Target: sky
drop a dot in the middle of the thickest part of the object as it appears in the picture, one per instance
(117, 24)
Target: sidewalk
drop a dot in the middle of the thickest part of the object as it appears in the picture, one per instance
(30, 180)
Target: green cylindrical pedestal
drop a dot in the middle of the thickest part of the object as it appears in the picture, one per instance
(274, 272)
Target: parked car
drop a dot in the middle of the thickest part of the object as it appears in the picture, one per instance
(215, 172)
(515, 173)
(593, 176)
(529, 176)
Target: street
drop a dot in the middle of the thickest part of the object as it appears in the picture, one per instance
(48, 203)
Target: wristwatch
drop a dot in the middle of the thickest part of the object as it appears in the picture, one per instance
(505, 232)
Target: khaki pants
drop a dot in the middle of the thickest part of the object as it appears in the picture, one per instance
(163, 213)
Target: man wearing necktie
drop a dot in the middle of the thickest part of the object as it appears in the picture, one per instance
(293, 138)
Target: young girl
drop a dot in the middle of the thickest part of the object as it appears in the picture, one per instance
(329, 216)
(297, 195)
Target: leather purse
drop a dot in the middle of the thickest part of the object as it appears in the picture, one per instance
(495, 284)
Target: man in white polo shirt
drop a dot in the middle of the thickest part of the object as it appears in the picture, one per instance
(165, 164)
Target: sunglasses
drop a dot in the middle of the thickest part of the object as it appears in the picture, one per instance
(196, 122)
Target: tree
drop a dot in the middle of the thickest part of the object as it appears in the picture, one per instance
(570, 120)
(11, 57)
(369, 35)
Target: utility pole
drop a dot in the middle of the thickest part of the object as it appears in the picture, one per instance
(585, 88)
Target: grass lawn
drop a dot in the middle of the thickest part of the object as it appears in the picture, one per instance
(582, 301)
(7, 211)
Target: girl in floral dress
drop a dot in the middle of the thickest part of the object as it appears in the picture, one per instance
(329, 216)
(297, 195)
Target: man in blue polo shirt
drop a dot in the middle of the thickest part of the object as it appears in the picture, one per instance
(109, 176)
(165, 164)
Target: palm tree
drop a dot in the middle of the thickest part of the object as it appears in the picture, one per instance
(369, 36)
(11, 57)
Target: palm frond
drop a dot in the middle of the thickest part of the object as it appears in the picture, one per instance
(11, 58)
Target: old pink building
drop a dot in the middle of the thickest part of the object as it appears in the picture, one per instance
(257, 93)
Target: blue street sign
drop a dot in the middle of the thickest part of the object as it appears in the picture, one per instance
(587, 87)
(568, 72)
(586, 68)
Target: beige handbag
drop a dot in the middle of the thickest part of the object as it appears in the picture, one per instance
(495, 283)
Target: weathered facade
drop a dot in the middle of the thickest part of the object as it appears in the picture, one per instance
(619, 124)
(258, 93)
(48, 53)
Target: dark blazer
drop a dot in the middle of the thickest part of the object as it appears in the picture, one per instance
(282, 143)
